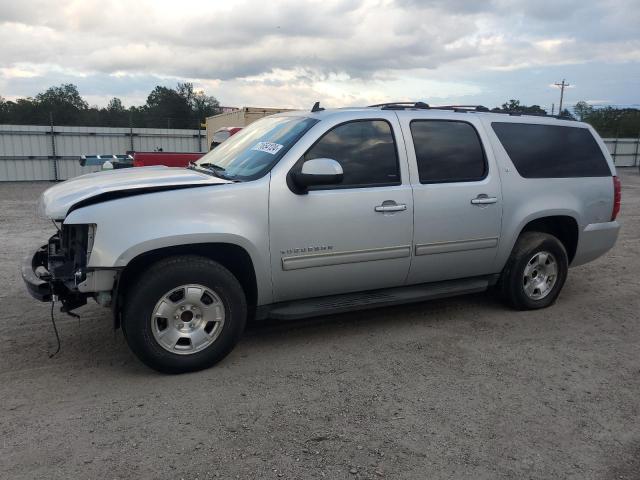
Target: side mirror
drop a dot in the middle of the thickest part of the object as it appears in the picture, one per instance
(319, 171)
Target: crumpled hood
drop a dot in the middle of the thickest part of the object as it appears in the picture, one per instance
(56, 201)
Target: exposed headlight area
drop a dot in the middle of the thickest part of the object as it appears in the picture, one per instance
(58, 270)
(67, 256)
(69, 251)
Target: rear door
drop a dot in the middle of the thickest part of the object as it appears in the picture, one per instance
(457, 196)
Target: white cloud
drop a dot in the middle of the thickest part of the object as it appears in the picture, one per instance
(289, 52)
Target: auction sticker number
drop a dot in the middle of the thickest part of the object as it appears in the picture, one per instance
(268, 147)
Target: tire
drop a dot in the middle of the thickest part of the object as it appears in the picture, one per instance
(192, 300)
(535, 272)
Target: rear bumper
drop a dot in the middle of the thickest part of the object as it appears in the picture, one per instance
(37, 288)
(595, 240)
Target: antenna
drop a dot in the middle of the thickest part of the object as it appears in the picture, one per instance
(316, 107)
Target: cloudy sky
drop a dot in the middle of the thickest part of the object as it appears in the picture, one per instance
(290, 53)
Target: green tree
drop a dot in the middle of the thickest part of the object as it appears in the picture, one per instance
(615, 122)
(582, 110)
(566, 114)
(3, 110)
(182, 107)
(166, 107)
(185, 90)
(115, 105)
(202, 105)
(64, 102)
(514, 106)
(23, 111)
(65, 94)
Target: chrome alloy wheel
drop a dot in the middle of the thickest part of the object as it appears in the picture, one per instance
(187, 319)
(540, 275)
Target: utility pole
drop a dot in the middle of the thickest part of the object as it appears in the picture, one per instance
(562, 86)
(53, 148)
(131, 131)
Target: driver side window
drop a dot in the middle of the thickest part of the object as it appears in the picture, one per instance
(365, 149)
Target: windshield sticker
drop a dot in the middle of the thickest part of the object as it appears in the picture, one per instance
(268, 147)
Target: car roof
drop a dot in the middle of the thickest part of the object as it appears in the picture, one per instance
(446, 112)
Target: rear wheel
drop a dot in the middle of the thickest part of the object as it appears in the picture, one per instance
(535, 272)
(185, 313)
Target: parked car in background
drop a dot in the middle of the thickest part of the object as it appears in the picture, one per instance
(223, 134)
(117, 161)
(168, 159)
(314, 213)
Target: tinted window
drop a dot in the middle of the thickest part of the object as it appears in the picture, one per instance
(365, 149)
(548, 151)
(447, 151)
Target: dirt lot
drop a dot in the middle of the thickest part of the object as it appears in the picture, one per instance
(458, 388)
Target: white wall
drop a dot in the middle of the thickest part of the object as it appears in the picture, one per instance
(625, 151)
(26, 151)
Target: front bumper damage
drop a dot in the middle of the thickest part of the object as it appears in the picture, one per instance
(55, 270)
(38, 288)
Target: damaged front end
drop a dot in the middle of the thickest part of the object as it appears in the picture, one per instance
(59, 268)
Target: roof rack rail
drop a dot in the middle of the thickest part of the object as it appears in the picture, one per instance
(426, 106)
(532, 114)
(400, 105)
(460, 108)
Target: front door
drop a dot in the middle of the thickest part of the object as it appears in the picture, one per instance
(457, 198)
(349, 237)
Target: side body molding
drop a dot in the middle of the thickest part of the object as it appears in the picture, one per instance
(341, 258)
(457, 246)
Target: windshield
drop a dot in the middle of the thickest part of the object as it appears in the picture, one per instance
(250, 153)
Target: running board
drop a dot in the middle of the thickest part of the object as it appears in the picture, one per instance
(330, 305)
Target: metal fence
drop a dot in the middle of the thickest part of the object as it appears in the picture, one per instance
(625, 151)
(30, 152)
(51, 153)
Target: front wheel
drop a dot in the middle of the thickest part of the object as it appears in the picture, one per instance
(535, 272)
(184, 314)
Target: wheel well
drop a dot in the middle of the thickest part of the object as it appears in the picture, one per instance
(563, 227)
(234, 258)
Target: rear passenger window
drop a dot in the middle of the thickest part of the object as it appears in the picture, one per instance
(552, 151)
(366, 151)
(447, 151)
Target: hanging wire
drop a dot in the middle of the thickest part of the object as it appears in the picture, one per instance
(55, 329)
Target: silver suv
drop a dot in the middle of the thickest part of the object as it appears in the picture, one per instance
(325, 211)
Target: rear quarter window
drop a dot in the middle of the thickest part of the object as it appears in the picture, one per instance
(552, 151)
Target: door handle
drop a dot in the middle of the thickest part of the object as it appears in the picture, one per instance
(483, 199)
(390, 207)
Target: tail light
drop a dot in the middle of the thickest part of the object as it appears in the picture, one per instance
(617, 195)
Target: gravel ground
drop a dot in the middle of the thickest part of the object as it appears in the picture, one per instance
(457, 388)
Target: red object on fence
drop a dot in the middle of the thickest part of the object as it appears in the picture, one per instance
(170, 159)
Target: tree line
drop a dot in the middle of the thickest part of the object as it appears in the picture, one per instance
(608, 121)
(183, 107)
(180, 107)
